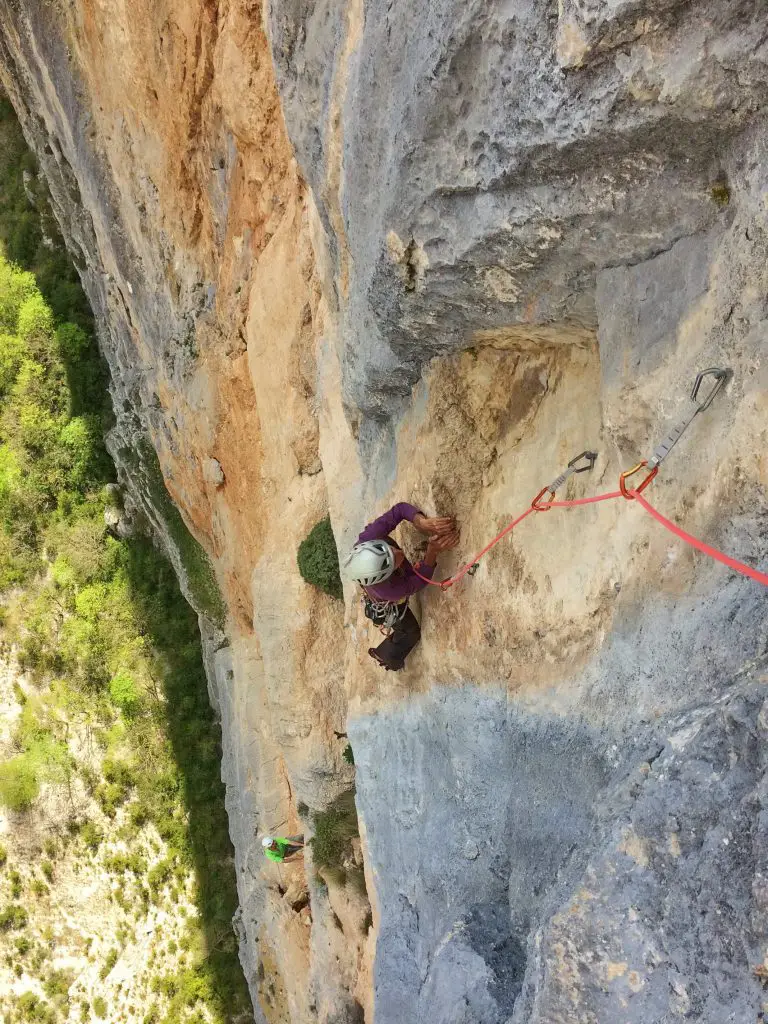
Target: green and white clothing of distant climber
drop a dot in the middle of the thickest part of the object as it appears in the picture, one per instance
(280, 848)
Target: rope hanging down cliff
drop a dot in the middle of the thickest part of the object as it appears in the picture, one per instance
(720, 377)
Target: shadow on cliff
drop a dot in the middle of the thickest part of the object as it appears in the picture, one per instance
(171, 626)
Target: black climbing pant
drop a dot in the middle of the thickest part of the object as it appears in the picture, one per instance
(391, 654)
(294, 847)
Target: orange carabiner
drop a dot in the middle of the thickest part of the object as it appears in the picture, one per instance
(631, 472)
(543, 508)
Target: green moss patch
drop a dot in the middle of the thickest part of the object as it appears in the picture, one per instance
(204, 589)
(335, 828)
(318, 559)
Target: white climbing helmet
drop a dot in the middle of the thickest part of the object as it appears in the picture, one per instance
(370, 563)
(267, 841)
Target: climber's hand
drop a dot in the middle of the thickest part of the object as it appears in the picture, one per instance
(439, 544)
(434, 525)
(445, 541)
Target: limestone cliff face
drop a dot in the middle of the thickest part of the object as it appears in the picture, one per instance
(344, 254)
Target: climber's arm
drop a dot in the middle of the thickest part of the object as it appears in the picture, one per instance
(381, 528)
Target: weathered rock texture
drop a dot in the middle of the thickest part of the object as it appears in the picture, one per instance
(348, 253)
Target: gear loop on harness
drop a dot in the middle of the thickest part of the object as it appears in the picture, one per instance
(383, 614)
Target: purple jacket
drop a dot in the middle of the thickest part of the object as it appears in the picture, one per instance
(404, 580)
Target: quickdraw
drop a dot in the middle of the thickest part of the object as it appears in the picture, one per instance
(662, 450)
(721, 377)
(558, 482)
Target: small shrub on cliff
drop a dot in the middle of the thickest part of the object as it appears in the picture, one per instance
(31, 1008)
(112, 957)
(124, 693)
(13, 917)
(43, 758)
(19, 785)
(721, 192)
(57, 985)
(318, 559)
(91, 835)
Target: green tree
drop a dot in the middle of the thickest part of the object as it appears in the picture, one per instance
(16, 286)
(12, 351)
(35, 323)
(124, 693)
(13, 918)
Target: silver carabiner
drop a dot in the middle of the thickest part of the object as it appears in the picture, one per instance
(665, 447)
(558, 482)
(722, 376)
(572, 468)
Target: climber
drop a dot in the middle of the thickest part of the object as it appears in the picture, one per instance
(279, 849)
(388, 579)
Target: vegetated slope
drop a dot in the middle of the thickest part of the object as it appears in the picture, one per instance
(117, 888)
(31, 235)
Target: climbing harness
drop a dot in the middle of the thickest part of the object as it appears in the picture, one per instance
(384, 614)
(720, 378)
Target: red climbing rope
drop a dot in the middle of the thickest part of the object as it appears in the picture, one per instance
(746, 570)
(547, 505)
(538, 506)
(535, 506)
(719, 378)
(468, 568)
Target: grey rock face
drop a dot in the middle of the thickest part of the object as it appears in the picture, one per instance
(508, 180)
(213, 472)
(644, 305)
(670, 918)
(466, 768)
(618, 877)
(514, 164)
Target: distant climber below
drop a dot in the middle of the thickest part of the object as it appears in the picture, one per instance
(388, 579)
(279, 849)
